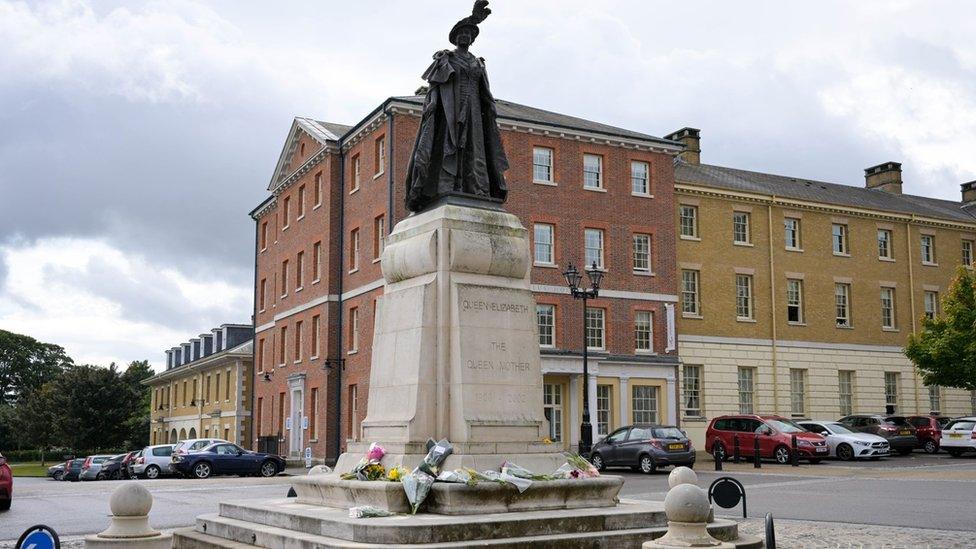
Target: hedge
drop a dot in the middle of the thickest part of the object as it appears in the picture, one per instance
(50, 456)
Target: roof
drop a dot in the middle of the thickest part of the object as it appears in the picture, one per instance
(245, 349)
(818, 191)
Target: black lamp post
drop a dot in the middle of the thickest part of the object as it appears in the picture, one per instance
(573, 280)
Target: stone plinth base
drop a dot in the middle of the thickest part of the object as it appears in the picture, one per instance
(537, 457)
(461, 499)
(162, 541)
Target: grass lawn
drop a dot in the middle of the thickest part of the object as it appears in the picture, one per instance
(29, 469)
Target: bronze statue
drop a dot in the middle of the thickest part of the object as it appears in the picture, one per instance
(458, 151)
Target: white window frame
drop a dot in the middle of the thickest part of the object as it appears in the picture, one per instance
(885, 253)
(588, 172)
(839, 239)
(690, 296)
(546, 310)
(892, 382)
(604, 409)
(552, 400)
(846, 294)
(792, 237)
(644, 402)
(967, 253)
(548, 166)
(587, 246)
(545, 245)
(888, 319)
(691, 390)
(845, 391)
(747, 390)
(353, 330)
(637, 182)
(596, 323)
(927, 249)
(798, 392)
(935, 398)
(743, 297)
(643, 332)
(794, 298)
(741, 228)
(642, 253)
(688, 221)
(930, 303)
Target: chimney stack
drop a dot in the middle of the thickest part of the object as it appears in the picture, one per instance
(969, 196)
(691, 139)
(885, 177)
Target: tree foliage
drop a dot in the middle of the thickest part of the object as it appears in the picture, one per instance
(945, 350)
(26, 364)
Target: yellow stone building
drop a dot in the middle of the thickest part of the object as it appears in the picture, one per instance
(205, 390)
(797, 296)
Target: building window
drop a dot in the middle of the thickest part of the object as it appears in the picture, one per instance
(643, 332)
(689, 293)
(603, 407)
(740, 228)
(262, 294)
(842, 302)
(642, 253)
(217, 388)
(839, 233)
(298, 341)
(281, 414)
(592, 171)
(746, 390)
(313, 415)
(353, 329)
(380, 155)
(639, 184)
(316, 262)
(594, 328)
(791, 227)
(845, 383)
(794, 301)
(967, 253)
(884, 244)
(543, 243)
(931, 302)
(260, 417)
(888, 308)
(743, 297)
(264, 235)
(286, 212)
(688, 221)
(379, 236)
(315, 336)
(284, 278)
(935, 398)
(928, 249)
(318, 190)
(300, 271)
(546, 319)
(354, 423)
(552, 406)
(356, 173)
(228, 391)
(282, 352)
(542, 165)
(644, 403)
(354, 250)
(594, 247)
(692, 391)
(798, 391)
(260, 359)
(891, 390)
(301, 201)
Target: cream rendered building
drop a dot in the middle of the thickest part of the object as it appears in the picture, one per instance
(205, 390)
(797, 296)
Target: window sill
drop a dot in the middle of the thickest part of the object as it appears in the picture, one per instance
(316, 357)
(317, 206)
(645, 353)
(281, 365)
(930, 264)
(377, 260)
(695, 419)
(378, 175)
(887, 259)
(298, 361)
(316, 281)
(547, 346)
(840, 254)
(546, 265)
(686, 237)
(299, 218)
(356, 270)
(843, 327)
(802, 324)
(692, 315)
(354, 191)
(594, 189)
(260, 311)
(748, 320)
(313, 440)
(546, 183)
(264, 249)
(597, 349)
(284, 228)
(283, 296)
(352, 351)
(798, 250)
(744, 244)
(298, 289)
(643, 273)
(884, 329)
(642, 195)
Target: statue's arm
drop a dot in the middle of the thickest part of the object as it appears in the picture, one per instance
(440, 70)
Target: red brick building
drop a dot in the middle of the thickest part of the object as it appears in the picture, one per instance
(586, 192)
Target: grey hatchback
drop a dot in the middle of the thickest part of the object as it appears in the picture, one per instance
(643, 447)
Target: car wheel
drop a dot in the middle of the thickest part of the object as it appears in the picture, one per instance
(954, 453)
(269, 469)
(904, 451)
(782, 455)
(59, 475)
(718, 452)
(152, 472)
(647, 465)
(931, 447)
(202, 470)
(100, 476)
(597, 461)
(845, 452)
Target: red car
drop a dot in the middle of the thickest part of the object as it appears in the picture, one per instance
(928, 429)
(6, 484)
(775, 434)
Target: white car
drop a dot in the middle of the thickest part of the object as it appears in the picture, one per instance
(959, 436)
(846, 444)
(153, 462)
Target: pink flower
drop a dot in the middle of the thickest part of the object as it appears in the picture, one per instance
(375, 453)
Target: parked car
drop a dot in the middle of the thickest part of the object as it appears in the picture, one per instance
(6, 484)
(72, 469)
(92, 467)
(127, 462)
(112, 468)
(846, 444)
(928, 429)
(194, 445)
(775, 434)
(56, 471)
(959, 436)
(153, 462)
(643, 447)
(895, 429)
(226, 458)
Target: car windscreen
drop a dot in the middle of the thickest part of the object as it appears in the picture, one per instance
(785, 426)
(962, 426)
(839, 429)
(897, 420)
(943, 421)
(668, 432)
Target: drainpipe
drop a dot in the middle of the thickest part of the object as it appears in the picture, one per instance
(254, 343)
(772, 306)
(911, 295)
(339, 273)
(391, 213)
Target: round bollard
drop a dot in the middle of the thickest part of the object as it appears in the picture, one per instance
(688, 510)
(682, 475)
(130, 504)
(320, 470)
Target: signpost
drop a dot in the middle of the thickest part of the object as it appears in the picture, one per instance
(39, 537)
(308, 458)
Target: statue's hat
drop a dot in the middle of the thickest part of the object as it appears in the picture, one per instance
(464, 23)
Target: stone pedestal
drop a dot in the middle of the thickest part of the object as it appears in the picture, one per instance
(455, 346)
(130, 505)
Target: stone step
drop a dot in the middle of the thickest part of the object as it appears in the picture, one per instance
(430, 528)
(215, 532)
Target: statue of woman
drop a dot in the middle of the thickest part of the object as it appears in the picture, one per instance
(458, 151)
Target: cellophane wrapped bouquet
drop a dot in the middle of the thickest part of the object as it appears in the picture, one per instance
(417, 484)
(369, 467)
(576, 466)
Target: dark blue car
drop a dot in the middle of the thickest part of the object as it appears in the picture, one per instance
(225, 458)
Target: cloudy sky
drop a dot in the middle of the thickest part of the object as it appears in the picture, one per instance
(135, 136)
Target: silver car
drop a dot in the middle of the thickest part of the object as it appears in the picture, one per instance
(152, 462)
(846, 444)
(92, 466)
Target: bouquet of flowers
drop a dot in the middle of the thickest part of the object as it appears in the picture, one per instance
(369, 467)
(521, 472)
(459, 476)
(576, 467)
(417, 484)
(396, 473)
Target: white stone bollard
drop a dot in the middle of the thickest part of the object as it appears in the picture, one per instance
(130, 504)
(682, 475)
(688, 511)
(320, 470)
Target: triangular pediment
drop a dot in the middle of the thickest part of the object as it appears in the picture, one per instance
(315, 135)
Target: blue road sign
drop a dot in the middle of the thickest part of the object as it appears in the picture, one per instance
(39, 537)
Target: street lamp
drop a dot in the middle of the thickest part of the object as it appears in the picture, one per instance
(573, 280)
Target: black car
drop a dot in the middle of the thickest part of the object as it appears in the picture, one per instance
(896, 430)
(225, 458)
(643, 447)
(112, 468)
(72, 469)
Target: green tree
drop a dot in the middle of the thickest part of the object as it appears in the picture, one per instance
(38, 420)
(135, 428)
(92, 403)
(26, 364)
(945, 350)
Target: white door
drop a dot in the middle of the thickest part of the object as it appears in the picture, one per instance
(295, 445)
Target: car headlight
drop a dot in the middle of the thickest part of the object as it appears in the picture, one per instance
(804, 443)
(862, 443)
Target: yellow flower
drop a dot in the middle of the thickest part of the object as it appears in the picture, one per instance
(547, 440)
